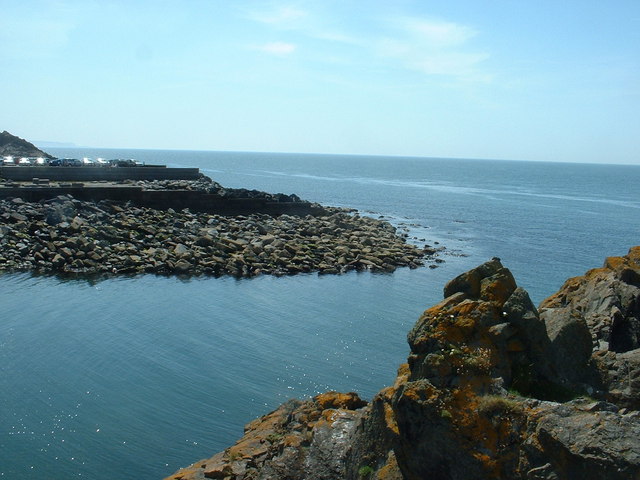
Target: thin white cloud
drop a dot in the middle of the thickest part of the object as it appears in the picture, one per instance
(283, 14)
(451, 63)
(292, 18)
(439, 34)
(434, 47)
(277, 48)
(335, 37)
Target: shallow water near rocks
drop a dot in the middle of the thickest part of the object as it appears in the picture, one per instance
(136, 377)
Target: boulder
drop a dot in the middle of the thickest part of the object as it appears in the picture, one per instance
(60, 209)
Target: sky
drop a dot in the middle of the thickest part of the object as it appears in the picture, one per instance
(522, 80)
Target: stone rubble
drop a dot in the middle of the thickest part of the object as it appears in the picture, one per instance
(67, 236)
(207, 185)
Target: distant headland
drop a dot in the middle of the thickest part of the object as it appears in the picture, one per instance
(16, 147)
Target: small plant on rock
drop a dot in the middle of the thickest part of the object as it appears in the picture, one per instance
(445, 414)
(274, 437)
(365, 472)
(496, 405)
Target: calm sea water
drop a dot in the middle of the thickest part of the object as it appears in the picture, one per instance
(136, 377)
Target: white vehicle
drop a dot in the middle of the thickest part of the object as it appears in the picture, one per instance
(24, 161)
(87, 161)
(8, 160)
(101, 161)
(40, 161)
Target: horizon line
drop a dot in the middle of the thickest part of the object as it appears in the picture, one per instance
(70, 145)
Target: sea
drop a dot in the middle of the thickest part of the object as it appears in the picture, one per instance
(135, 377)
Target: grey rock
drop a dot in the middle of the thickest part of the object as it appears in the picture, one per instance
(181, 250)
(594, 325)
(59, 211)
(586, 445)
(571, 344)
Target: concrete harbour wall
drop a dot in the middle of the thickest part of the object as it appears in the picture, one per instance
(97, 173)
(162, 199)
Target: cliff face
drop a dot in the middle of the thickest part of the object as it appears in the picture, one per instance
(493, 388)
(18, 147)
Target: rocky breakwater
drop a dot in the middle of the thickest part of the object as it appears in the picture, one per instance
(206, 185)
(493, 388)
(67, 236)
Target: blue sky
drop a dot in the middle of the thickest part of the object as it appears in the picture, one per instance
(536, 80)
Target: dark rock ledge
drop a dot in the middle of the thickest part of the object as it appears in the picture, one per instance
(493, 388)
(67, 236)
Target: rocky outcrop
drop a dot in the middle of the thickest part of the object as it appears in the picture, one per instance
(488, 392)
(594, 321)
(72, 237)
(299, 436)
(10, 145)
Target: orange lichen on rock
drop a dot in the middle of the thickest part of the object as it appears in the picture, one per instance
(453, 299)
(634, 255)
(466, 308)
(615, 263)
(327, 418)
(622, 267)
(403, 374)
(488, 432)
(498, 288)
(390, 469)
(454, 329)
(186, 473)
(421, 392)
(385, 396)
(348, 401)
(631, 260)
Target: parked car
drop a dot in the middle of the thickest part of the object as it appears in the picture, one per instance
(71, 162)
(120, 162)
